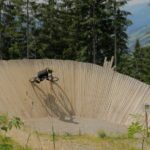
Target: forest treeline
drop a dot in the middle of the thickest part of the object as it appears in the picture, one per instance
(83, 30)
(137, 63)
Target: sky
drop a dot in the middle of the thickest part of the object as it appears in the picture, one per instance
(135, 2)
(140, 13)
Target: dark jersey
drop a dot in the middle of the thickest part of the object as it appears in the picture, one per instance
(43, 74)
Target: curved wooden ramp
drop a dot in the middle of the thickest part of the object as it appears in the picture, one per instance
(84, 90)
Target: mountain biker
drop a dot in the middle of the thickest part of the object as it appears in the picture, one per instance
(44, 74)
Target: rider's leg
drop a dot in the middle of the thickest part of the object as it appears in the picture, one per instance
(49, 78)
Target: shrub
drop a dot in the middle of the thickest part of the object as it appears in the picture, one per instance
(67, 134)
(134, 128)
(7, 124)
(102, 134)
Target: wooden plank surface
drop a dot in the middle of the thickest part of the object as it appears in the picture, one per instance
(84, 90)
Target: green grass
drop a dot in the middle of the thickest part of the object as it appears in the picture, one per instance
(101, 143)
(107, 143)
(6, 143)
(104, 142)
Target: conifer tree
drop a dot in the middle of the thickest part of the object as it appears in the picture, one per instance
(93, 28)
(12, 35)
(48, 42)
(137, 44)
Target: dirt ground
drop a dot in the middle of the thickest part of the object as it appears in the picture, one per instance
(34, 131)
(82, 125)
(39, 141)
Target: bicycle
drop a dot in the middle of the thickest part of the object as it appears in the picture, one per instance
(50, 78)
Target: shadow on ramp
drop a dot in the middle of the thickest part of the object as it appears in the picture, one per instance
(56, 102)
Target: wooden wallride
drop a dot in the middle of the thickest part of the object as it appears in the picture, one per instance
(83, 89)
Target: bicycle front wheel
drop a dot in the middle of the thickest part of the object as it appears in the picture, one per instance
(54, 79)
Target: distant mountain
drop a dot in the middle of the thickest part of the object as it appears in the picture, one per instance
(142, 33)
(140, 29)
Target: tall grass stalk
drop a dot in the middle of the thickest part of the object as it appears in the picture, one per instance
(53, 136)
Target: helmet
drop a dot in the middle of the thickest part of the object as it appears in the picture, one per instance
(49, 70)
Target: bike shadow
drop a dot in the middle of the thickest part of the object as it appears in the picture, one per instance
(56, 102)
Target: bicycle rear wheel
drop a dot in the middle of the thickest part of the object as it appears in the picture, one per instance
(32, 79)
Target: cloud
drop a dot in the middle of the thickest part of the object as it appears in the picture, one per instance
(136, 2)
